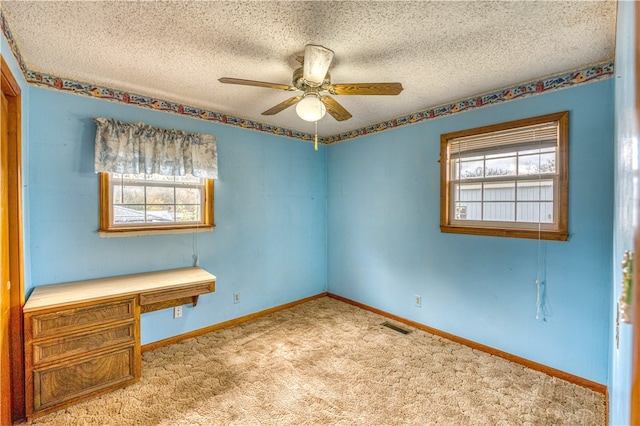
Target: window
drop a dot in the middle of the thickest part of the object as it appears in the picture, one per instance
(507, 180)
(142, 202)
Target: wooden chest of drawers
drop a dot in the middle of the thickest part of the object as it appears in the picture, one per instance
(82, 339)
(79, 352)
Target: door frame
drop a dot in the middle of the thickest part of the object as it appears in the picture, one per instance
(635, 364)
(12, 92)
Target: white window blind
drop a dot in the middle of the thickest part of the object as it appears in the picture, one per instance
(543, 135)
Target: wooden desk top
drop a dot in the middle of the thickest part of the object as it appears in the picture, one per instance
(49, 296)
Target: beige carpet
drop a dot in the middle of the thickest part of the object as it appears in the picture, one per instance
(327, 362)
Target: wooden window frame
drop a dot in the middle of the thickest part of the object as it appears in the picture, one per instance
(106, 224)
(560, 231)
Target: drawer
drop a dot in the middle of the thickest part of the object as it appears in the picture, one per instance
(55, 349)
(69, 320)
(63, 382)
(152, 297)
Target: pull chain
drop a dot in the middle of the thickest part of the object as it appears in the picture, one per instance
(538, 271)
(316, 137)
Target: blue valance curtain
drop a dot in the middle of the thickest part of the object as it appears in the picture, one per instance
(140, 148)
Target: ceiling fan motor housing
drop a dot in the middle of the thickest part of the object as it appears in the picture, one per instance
(300, 83)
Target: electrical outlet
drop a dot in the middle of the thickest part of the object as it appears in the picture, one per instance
(177, 312)
(418, 300)
(236, 297)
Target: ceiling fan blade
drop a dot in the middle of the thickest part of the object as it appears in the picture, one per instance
(242, 82)
(336, 110)
(317, 60)
(366, 89)
(282, 105)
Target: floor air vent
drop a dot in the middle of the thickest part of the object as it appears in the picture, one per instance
(396, 327)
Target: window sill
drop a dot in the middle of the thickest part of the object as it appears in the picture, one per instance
(116, 233)
(502, 232)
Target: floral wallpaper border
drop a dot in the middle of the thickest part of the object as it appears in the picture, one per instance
(561, 81)
(59, 83)
(12, 42)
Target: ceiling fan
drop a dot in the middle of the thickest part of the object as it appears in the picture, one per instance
(312, 78)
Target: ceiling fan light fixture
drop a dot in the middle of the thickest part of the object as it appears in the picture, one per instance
(311, 108)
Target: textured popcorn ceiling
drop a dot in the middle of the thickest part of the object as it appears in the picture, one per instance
(440, 51)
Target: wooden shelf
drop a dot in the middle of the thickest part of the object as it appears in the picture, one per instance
(146, 284)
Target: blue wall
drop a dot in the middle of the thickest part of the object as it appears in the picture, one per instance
(384, 242)
(385, 245)
(626, 204)
(270, 210)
